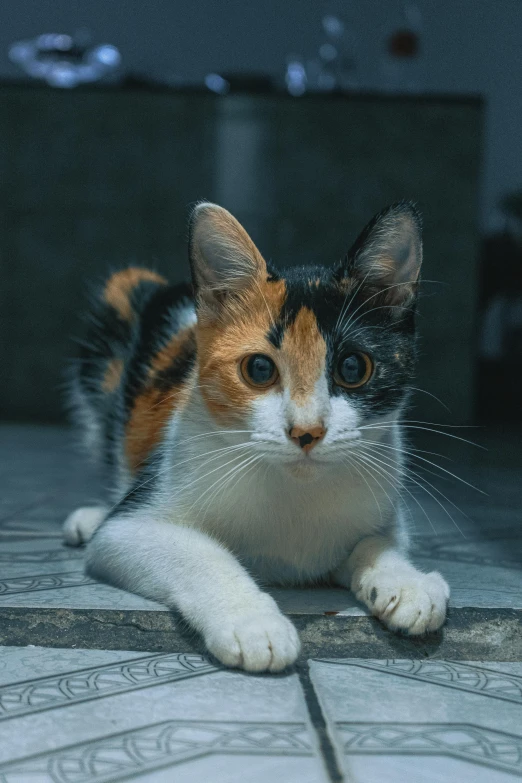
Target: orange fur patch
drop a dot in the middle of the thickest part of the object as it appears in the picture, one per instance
(223, 342)
(155, 404)
(303, 353)
(120, 286)
(112, 375)
(243, 330)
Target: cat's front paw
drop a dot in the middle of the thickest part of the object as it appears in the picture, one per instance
(255, 640)
(415, 603)
(80, 526)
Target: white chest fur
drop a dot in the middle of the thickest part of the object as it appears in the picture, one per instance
(282, 527)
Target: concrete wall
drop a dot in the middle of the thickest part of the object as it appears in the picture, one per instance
(98, 178)
(468, 46)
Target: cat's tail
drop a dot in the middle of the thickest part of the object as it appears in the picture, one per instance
(97, 375)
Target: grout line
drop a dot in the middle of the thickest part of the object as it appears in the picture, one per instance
(326, 747)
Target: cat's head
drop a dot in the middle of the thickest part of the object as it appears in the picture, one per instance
(301, 358)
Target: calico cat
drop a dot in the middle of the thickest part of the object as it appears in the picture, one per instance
(238, 419)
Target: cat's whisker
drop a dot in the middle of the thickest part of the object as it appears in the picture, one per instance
(347, 334)
(423, 391)
(408, 470)
(379, 293)
(399, 449)
(224, 452)
(177, 493)
(169, 467)
(394, 479)
(392, 484)
(409, 473)
(352, 463)
(247, 460)
(211, 433)
(433, 464)
(218, 452)
(349, 324)
(239, 473)
(406, 464)
(350, 337)
(408, 425)
(184, 487)
(230, 482)
(386, 475)
(345, 307)
(435, 424)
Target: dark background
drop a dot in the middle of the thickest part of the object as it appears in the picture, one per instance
(105, 174)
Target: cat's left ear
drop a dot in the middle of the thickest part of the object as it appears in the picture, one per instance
(387, 255)
(223, 258)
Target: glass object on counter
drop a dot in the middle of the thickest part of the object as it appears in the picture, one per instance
(334, 67)
(63, 60)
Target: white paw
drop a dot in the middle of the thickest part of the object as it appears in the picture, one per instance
(79, 527)
(415, 603)
(255, 640)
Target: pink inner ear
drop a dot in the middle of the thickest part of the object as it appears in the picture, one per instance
(388, 252)
(222, 253)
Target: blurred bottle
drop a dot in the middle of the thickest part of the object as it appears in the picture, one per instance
(296, 78)
(402, 65)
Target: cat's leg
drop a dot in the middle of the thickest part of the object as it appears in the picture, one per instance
(186, 569)
(401, 596)
(80, 526)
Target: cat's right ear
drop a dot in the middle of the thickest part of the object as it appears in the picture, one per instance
(223, 258)
(387, 256)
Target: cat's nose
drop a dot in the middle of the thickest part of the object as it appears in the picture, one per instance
(307, 438)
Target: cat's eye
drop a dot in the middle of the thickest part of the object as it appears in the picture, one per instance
(259, 370)
(354, 370)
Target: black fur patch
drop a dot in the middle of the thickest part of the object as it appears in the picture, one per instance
(156, 309)
(386, 334)
(156, 306)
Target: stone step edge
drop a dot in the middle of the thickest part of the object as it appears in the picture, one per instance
(470, 633)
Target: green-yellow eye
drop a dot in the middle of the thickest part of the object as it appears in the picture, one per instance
(354, 370)
(259, 370)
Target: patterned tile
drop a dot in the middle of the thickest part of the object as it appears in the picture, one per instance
(450, 674)
(149, 717)
(128, 754)
(45, 693)
(31, 584)
(44, 572)
(461, 719)
(498, 750)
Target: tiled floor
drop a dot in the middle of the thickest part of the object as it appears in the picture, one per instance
(423, 720)
(88, 715)
(74, 715)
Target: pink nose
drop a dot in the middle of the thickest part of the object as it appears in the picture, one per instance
(307, 438)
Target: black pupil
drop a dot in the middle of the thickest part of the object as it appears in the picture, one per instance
(352, 368)
(260, 368)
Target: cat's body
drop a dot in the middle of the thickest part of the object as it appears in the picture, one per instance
(236, 448)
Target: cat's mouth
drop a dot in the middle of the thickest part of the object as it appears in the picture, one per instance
(303, 468)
